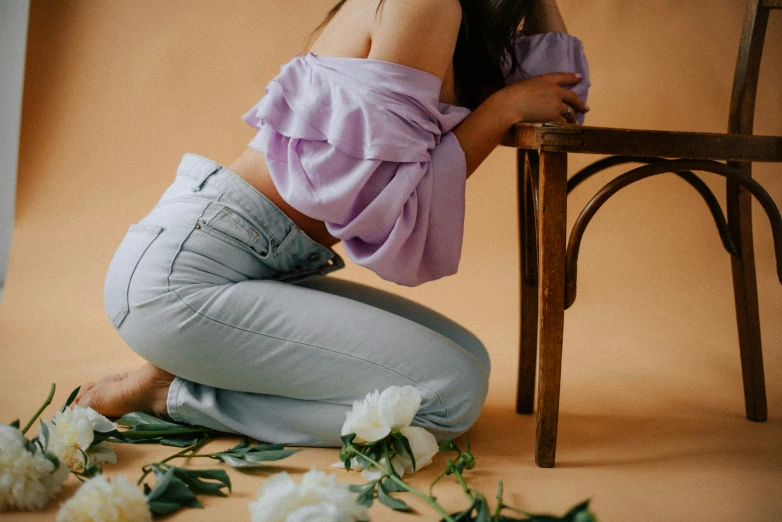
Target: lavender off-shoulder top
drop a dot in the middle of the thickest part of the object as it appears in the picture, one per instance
(365, 146)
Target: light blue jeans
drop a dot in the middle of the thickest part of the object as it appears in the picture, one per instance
(219, 287)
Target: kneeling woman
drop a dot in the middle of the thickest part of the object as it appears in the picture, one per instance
(224, 286)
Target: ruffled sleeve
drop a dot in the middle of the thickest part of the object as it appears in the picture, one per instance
(545, 53)
(366, 147)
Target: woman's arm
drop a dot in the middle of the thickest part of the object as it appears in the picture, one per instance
(543, 17)
(539, 99)
(481, 131)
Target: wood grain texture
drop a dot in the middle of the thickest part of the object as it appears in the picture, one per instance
(745, 290)
(552, 224)
(562, 137)
(528, 337)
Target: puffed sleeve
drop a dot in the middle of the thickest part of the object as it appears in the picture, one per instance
(366, 147)
(545, 53)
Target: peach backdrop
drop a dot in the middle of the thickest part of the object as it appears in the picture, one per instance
(652, 415)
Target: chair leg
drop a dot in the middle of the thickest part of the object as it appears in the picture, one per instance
(528, 339)
(745, 292)
(551, 233)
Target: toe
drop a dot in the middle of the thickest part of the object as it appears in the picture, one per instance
(84, 389)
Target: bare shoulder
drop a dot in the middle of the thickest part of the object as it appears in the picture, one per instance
(417, 33)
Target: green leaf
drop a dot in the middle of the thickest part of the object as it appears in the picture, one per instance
(111, 436)
(138, 417)
(45, 434)
(243, 464)
(244, 456)
(578, 513)
(51, 457)
(270, 455)
(348, 439)
(584, 516)
(194, 478)
(146, 428)
(242, 444)
(483, 511)
(578, 509)
(389, 501)
(466, 515)
(169, 494)
(392, 486)
(15, 424)
(70, 398)
(468, 459)
(448, 444)
(396, 442)
(409, 451)
(92, 470)
(367, 496)
(29, 445)
(179, 442)
(364, 461)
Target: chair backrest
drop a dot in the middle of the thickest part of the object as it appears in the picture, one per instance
(745, 81)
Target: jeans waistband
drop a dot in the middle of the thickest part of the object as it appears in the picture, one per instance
(202, 171)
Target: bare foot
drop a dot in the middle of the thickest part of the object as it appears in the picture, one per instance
(145, 389)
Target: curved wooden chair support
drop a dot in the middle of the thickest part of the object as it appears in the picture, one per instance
(653, 169)
(693, 180)
(534, 164)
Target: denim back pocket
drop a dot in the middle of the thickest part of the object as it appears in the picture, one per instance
(231, 227)
(122, 267)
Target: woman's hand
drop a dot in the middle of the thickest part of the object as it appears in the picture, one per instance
(543, 99)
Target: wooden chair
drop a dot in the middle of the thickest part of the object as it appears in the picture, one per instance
(548, 263)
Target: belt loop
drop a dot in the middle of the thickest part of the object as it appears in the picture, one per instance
(199, 174)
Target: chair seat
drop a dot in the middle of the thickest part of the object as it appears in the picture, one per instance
(566, 137)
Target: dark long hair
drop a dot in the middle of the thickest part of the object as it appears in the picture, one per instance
(486, 33)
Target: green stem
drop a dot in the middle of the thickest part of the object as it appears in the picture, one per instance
(499, 499)
(389, 466)
(431, 486)
(40, 410)
(467, 489)
(430, 500)
(182, 453)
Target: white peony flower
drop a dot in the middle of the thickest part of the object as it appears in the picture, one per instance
(317, 499)
(381, 413)
(72, 430)
(424, 447)
(101, 500)
(27, 480)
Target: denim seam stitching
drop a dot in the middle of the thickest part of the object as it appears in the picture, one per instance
(225, 238)
(313, 346)
(260, 225)
(227, 213)
(178, 402)
(178, 415)
(227, 195)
